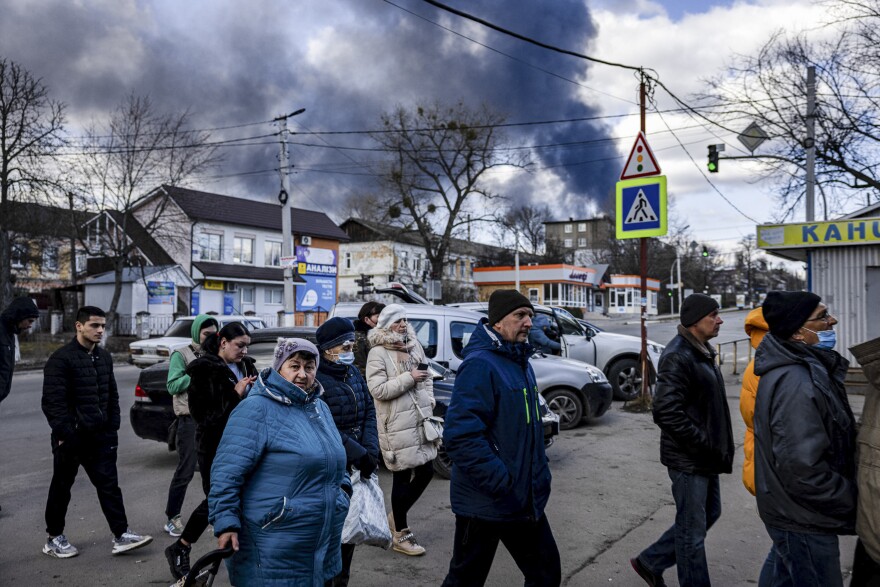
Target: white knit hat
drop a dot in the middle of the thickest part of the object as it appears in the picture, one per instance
(390, 314)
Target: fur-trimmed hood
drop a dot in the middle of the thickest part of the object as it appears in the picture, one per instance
(393, 340)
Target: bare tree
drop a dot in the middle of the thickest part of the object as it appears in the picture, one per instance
(137, 149)
(30, 130)
(770, 89)
(438, 159)
(527, 221)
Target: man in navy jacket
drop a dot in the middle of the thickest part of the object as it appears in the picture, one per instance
(494, 436)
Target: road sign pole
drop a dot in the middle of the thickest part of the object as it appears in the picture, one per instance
(645, 398)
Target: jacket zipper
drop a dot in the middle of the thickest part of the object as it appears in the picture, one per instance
(526, 400)
(278, 517)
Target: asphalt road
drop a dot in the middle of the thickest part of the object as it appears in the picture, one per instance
(610, 499)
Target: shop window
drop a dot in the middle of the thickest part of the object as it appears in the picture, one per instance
(533, 295)
(273, 295)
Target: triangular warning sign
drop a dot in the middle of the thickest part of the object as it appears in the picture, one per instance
(641, 161)
(641, 210)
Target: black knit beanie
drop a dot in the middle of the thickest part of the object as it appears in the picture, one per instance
(504, 301)
(696, 307)
(334, 331)
(786, 311)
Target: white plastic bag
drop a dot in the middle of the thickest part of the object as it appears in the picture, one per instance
(366, 522)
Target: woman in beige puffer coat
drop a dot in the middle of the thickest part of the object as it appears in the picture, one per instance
(403, 396)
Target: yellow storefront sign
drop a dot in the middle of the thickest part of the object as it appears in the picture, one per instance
(209, 284)
(858, 231)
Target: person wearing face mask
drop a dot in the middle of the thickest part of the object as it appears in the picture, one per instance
(404, 395)
(805, 441)
(350, 402)
(219, 379)
(279, 489)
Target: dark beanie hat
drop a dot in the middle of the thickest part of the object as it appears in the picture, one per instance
(786, 311)
(333, 332)
(504, 301)
(695, 307)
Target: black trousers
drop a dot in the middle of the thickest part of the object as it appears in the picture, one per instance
(341, 580)
(531, 544)
(866, 571)
(406, 488)
(96, 453)
(198, 520)
(186, 465)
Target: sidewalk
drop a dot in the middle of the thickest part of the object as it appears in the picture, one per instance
(736, 546)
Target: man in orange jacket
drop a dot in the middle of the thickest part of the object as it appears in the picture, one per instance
(756, 328)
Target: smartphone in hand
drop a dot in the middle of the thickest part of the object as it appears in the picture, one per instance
(422, 367)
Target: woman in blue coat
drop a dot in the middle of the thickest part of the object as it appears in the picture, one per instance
(279, 489)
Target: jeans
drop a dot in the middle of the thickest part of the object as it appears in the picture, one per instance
(804, 560)
(406, 488)
(198, 520)
(96, 453)
(768, 571)
(530, 544)
(697, 507)
(186, 465)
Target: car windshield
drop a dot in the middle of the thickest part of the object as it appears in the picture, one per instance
(180, 329)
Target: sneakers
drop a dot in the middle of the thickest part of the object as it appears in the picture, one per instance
(129, 541)
(174, 527)
(405, 543)
(178, 559)
(59, 547)
(646, 574)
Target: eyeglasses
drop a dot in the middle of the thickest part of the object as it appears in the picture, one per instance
(823, 317)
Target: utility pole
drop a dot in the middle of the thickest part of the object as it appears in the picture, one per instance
(810, 143)
(286, 232)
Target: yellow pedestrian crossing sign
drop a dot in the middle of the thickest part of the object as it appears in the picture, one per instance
(641, 207)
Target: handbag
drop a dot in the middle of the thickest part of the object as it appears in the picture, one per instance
(432, 425)
(366, 522)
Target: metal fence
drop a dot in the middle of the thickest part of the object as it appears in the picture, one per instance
(735, 353)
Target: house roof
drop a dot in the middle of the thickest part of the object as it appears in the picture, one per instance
(142, 238)
(211, 207)
(222, 271)
(132, 274)
(866, 212)
(39, 220)
(368, 231)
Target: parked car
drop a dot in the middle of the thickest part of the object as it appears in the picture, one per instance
(574, 390)
(150, 351)
(152, 414)
(617, 355)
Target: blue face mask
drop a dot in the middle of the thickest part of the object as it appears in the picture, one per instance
(345, 358)
(827, 338)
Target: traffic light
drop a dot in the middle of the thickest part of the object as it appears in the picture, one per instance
(705, 251)
(713, 159)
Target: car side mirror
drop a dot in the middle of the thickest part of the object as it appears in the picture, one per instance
(588, 334)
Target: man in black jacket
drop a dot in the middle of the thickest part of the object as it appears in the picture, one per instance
(696, 444)
(81, 403)
(805, 443)
(18, 317)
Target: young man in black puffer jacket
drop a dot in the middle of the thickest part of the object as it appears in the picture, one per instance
(18, 317)
(81, 403)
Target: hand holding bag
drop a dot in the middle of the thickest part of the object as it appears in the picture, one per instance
(366, 522)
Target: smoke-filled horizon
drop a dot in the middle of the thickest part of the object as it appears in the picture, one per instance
(346, 62)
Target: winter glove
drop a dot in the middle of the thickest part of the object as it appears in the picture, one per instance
(366, 465)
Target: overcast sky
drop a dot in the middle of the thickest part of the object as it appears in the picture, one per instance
(347, 61)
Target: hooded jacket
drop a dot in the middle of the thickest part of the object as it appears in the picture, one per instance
(212, 397)
(805, 473)
(690, 406)
(20, 309)
(494, 435)
(350, 402)
(278, 481)
(868, 514)
(400, 402)
(756, 328)
(178, 381)
(79, 392)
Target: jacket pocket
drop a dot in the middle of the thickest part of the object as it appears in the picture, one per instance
(276, 515)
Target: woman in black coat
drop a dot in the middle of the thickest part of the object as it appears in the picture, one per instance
(219, 380)
(350, 402)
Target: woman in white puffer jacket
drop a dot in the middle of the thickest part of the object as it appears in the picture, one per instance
(403, 395)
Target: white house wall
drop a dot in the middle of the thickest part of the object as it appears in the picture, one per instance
(101, 295)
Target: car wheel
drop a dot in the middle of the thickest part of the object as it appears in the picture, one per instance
(626, 379)
(566, 404)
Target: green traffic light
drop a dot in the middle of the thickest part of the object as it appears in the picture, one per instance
(713, 167)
